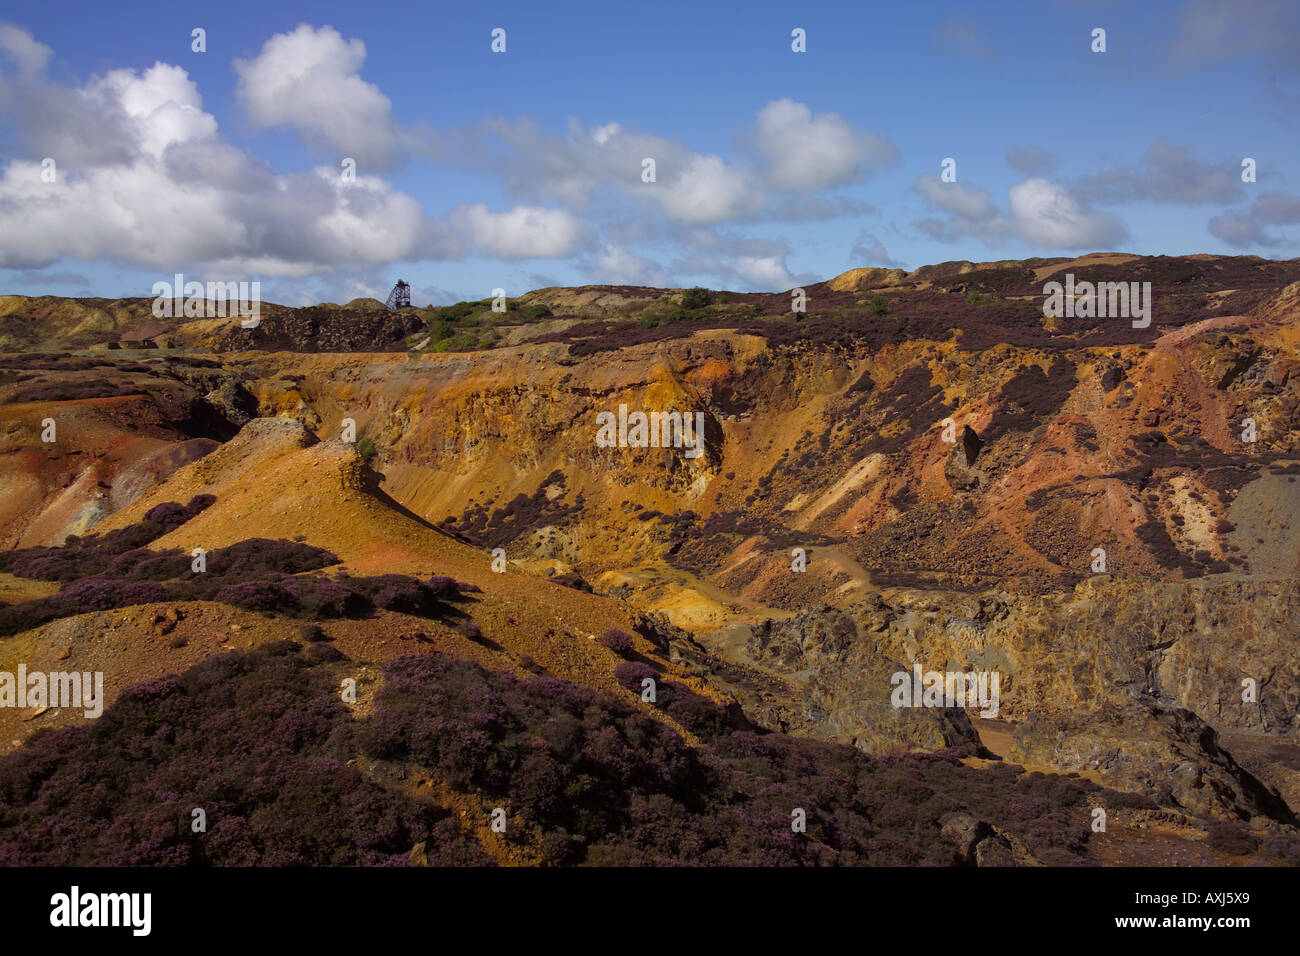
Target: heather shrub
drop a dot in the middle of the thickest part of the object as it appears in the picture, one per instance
(470, 630)
(565, 759)
(1231, 838)
(255, 556)
(71, 391)
(102, 572)
(257, 595)
(445, 587)
(698, 714)
(520, 516)
(620, 642)
(256, 574)
(28, 614)
(1283, 846)
(141, 564)
(397, 592)
(631, 673)
(261, 741)
(324, 653)
(258, 739)
(315, 597)
(92, 555)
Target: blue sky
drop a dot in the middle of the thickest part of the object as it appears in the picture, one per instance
(477, 170)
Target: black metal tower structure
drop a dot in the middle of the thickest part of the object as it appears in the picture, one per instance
(400, 297)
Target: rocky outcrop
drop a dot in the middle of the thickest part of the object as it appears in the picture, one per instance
(325, 328)
(1122, 679)
(846, 693)
(1171, 755)
(959, 470)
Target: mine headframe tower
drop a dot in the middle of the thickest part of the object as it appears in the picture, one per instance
(400, 297)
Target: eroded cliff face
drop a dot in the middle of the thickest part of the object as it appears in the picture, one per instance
(1121, 678)
(913, 464)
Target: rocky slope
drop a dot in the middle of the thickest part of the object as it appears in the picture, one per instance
(922, 469)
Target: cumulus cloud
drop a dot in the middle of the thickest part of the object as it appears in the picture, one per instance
(162, 106)
(547, 167)
(795, 153)
(807, 152)
(525, 232)
(1046, 214)
(309, 79)
(1167, 173)
(755, 273)
(1032, 161)
(968, 204)
(708, 189)
(86, 126)
(1207, 31)
(170, 191)
(1040, 212)
(137, 215)
(23, 50)
(970, 212)
(615, 265)
(1246, 229)
(869, 250)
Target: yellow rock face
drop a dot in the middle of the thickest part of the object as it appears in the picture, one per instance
(857, 280)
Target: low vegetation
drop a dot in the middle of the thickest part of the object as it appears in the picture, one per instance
(100, 573)
(583, 777)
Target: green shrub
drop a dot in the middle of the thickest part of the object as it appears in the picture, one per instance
(696, 298)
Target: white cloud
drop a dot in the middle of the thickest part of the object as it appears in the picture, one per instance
(796, 152)
(1208, 31)
(603, 134)
(1167, 173)
(763, 272)
(30, 55)
(814, 153)
(1032, 160)
(1046, 214)
(525, 232)
(172, 193)
(709, 190)
(615, 265)
(309, 79)
(1246, 228)
(968, 204)
(162, 106)
(756, 272)
(546, 167)
(1041, 212)
(871, 251)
